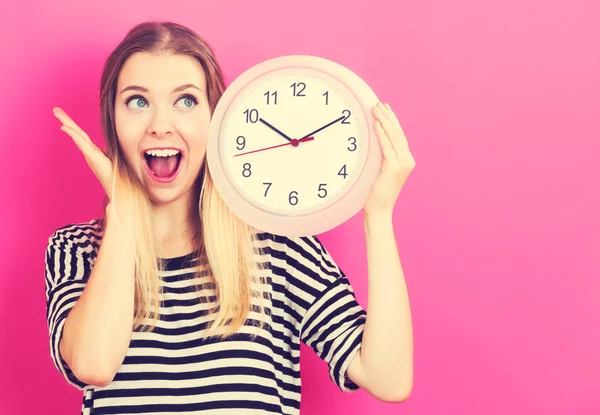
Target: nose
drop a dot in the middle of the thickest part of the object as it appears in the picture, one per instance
(160, 125)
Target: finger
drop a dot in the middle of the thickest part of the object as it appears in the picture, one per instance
(95, 158)
(88, 148)
(386, 146)
(392, 128)
(388, 114)
(380, 113)
(66, 120)
(391, 131)
(397, 123)
(392, 115)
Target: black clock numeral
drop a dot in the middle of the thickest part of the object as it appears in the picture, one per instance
(241, 145)
(347, 116)
(247, 172)
(300, 88)
(322, 189)
(269, 94)
(251, 115)
(293, 198)
(342, 171)
(352, 143)
(268, 187)
(326, 95)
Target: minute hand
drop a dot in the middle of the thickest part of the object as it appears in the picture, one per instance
(323, 127)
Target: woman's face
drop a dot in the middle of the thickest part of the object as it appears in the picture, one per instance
(162, 119)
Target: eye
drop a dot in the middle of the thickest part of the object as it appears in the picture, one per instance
(136, 101)
(187, 101)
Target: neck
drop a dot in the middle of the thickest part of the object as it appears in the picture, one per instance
(175, 227)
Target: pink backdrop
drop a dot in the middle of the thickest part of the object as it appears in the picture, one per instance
(498, 227)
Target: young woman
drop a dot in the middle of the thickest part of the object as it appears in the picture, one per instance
(169, 303)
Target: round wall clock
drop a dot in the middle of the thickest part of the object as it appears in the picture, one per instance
(292, 147)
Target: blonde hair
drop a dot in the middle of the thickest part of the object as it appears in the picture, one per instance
(221, 239)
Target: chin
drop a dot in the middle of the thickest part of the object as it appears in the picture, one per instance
(165, 196)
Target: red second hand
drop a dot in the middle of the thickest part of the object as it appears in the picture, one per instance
(295, 142)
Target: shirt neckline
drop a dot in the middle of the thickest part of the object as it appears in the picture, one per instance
(179, 262)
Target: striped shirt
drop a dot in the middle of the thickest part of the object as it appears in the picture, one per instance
(173, 370)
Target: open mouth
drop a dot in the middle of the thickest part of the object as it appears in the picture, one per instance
(163, 164)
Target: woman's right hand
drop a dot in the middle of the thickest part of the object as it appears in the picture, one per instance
(96, 159)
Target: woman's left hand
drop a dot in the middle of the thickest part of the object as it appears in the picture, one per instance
(397, 164)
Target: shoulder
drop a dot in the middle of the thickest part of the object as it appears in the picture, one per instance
(76, 239)
(308, 247)
(81, 234)
(305, 257)
(71, 251)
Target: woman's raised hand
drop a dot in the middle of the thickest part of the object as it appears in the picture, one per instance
(96, 159)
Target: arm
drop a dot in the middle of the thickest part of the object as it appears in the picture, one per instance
(384, 364)
(98, 329)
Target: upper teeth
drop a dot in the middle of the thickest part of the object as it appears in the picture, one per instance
(162, 153)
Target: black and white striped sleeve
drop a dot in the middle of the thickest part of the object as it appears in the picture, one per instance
(67, 271)
(333, 321)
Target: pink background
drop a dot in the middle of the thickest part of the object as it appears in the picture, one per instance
(498, 227)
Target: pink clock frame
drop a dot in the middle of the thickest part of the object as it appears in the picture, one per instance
(348, 204)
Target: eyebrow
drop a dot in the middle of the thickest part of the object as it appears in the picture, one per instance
(142, 89)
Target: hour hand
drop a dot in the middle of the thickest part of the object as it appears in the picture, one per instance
(323, 127)
(275, 129)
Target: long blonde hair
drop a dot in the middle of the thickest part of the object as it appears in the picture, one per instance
(220, 237)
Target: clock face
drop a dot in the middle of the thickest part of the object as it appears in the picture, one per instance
(293, 141)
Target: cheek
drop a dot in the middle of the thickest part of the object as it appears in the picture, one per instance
(196, 137)
(129, 133)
